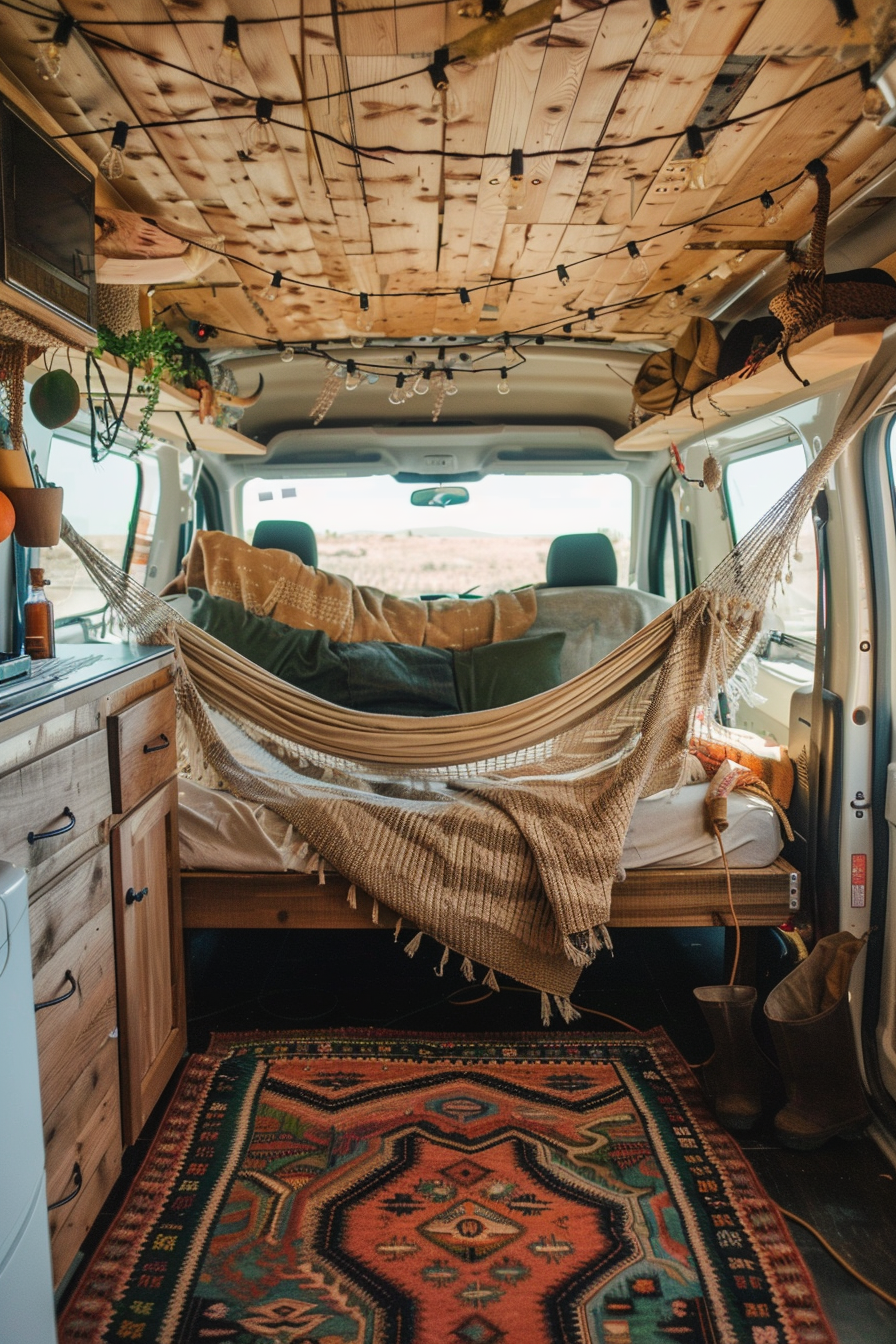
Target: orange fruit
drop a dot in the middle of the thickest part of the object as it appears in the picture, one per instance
(7, 517)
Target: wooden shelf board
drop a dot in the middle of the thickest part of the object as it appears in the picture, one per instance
(165, 422)
(834, 350)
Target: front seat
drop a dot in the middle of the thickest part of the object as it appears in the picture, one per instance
(282, 534)
(581, 560)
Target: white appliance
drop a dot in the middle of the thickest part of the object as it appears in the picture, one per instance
(27, 1315)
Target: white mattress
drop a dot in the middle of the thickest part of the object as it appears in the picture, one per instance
(668, 830)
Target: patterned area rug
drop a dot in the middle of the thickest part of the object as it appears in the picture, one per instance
(359, 1188)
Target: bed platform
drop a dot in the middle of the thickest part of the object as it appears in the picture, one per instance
(649, 898)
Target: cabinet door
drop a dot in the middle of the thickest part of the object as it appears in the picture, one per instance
(149, 954)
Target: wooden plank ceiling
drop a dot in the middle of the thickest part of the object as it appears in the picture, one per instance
(420, 222)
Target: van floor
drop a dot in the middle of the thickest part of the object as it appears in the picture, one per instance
(263, 980)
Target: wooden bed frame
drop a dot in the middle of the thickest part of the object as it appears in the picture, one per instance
(649, 898)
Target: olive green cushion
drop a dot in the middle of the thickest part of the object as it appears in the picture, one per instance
(500, 674)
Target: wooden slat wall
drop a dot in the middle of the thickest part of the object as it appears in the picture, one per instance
(397, 223)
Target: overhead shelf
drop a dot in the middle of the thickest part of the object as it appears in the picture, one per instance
(173, 406)
(835, 349)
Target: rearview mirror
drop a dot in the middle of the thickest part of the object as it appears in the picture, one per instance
(440, 496)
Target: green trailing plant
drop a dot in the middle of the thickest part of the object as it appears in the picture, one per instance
(161, 356)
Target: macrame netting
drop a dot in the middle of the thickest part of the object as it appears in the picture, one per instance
(498, 833)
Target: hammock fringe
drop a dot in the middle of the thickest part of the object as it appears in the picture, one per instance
(413, 945)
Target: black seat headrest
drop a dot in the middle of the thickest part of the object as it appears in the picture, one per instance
(282, 534)
(580, 560)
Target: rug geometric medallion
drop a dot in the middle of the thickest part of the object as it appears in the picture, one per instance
(372, 1188)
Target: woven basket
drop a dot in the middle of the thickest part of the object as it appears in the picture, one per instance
(807, 304)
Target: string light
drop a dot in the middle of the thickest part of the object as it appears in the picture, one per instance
(358, 342)
(273, 291)
(112, 162)
(258, 137)
(421, 387)
(636, 271)
(450, 384)
(563, 275)
(674, 297)
(698, 176)
(445, 102)
(661, 12)
(396, 396)
(590, 323)
(353, 378)
(464, 296)
(229, 64)
(503, 386)
(49, 57)
(513, 193)
(287, 354)
(772, 210)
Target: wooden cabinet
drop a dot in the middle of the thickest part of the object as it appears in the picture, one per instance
(149, 953)
(108, 973)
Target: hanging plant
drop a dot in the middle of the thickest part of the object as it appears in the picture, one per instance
(158, 353)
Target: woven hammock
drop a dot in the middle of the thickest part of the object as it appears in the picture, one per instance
(498, 833)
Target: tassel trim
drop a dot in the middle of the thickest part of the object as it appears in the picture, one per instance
(491, 982)
(579, 956)
(375, 913)
(397, 929)
(352, 896)
(440, 969)
(321, 875)
(566, 1009)
(466, 968)
(414, 944)
(545, 1009)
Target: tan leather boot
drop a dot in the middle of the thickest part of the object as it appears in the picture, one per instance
(808, 1013)
(733, 1076)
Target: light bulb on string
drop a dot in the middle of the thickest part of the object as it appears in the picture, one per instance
(396, 396)
(450, 384)
(636, 272)
(112, 162)
(445, 103)
(674, 297)
(258, 137)
(353, 378)
(49, 54)
(366, 321)
(699, 171)
(421, 386)
(563, 275)
(287, 354)
(513, 193)
(503, 385)
(590, 324)
(358, 342)
(662, 14)
(273, 291)
(229, 64)
(772, 210)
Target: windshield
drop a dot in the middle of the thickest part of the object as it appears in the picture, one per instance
(368, 530)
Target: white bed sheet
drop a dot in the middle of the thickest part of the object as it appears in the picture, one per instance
(668, 830)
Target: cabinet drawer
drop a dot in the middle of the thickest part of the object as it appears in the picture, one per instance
(142, 748)
(71, 1034)
(70, 1223)
(61, 801)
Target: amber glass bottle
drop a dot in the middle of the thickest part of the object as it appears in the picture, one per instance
(40, 632)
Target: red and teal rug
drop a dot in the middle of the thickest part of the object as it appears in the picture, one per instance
(358, 1188)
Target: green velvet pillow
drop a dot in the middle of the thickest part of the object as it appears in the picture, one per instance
(500, 674)
(372, 676)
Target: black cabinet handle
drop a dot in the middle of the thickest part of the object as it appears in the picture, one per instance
(163, 743)
(51, 1003)
(131, 895)
(34, 836)
(78, 1180)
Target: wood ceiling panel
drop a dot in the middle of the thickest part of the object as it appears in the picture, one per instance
(337, 219)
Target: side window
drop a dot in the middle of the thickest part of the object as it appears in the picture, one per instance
(752, 485)
(113, 505)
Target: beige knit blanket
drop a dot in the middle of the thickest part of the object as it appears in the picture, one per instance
(277, 583)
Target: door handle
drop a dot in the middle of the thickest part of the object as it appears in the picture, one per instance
(34, 836)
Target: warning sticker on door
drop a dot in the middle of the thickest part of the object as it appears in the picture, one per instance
(859, 875)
